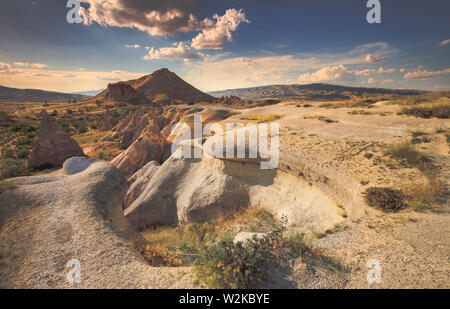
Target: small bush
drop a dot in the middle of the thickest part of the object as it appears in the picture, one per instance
(386, 199)
(7, 153)
(235, 265)
(404, 151)
(437, 111)
(22, 152)
(82, 130)
(11, 168)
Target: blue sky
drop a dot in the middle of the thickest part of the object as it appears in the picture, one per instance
(225, 44)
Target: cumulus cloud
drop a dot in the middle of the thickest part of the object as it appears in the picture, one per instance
(214, 37)
(371, 58)
(164, 18)
(157, 17)
(330, 73)
(180, 51)
(445, 42)
(133, 46)
(420, 72)
(340, 72)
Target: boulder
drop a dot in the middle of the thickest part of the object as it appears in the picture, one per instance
(53, 145)
(76, 165)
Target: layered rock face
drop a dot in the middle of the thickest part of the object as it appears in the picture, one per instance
(53, 145)
(122, 92)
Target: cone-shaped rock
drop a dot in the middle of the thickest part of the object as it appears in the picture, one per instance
(53, 145)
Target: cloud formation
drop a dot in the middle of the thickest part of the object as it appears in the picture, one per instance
(180, 51)
(214, 37)
(371, 58)
(30, 65)
(420, 72)
(157, 17)
(340, 73)
(133, 46)
(445, 42)
(164, 18)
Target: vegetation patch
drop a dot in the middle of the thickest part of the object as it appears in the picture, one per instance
(386, 199)
(432, 111)
(409, 156)
(262, 118)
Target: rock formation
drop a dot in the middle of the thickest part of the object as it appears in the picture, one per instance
(123, 92)
(107, 123)
(53, 145)
(195, 190)
(147, 137)
(140, 180)
(162, 87)
(49, 220)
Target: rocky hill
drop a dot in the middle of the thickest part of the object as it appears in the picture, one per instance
(34, 95)
(162, 87)
(311, 92)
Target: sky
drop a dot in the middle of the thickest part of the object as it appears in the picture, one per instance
(216, 45)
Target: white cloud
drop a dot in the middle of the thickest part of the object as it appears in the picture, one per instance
(180, 51)
(330, 73)
(30, 65)
(371, 58)
(214, 37)
(133, 46)
(238, 72)
(341, 73)
(445, 42)
(420, 72)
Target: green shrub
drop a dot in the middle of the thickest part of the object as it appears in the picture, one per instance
(386, 199)
(235, 265)
(11, 168)
(404, 151)
(22, 141)
(7, 153)
(82, 130)
(22, 152)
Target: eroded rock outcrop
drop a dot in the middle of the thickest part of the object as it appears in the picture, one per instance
(140, 180)
(107, 123)
(196, 190)
(48, 220)
(122, 92)
(147, 136)
(53, 145)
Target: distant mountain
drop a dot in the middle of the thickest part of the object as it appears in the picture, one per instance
(34, 95)
(89, 92)
(310, 92)
(161, 87)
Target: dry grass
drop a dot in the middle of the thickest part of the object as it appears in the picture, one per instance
(262, 118)
(427, 196)
(89, 138)
(191, 238)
